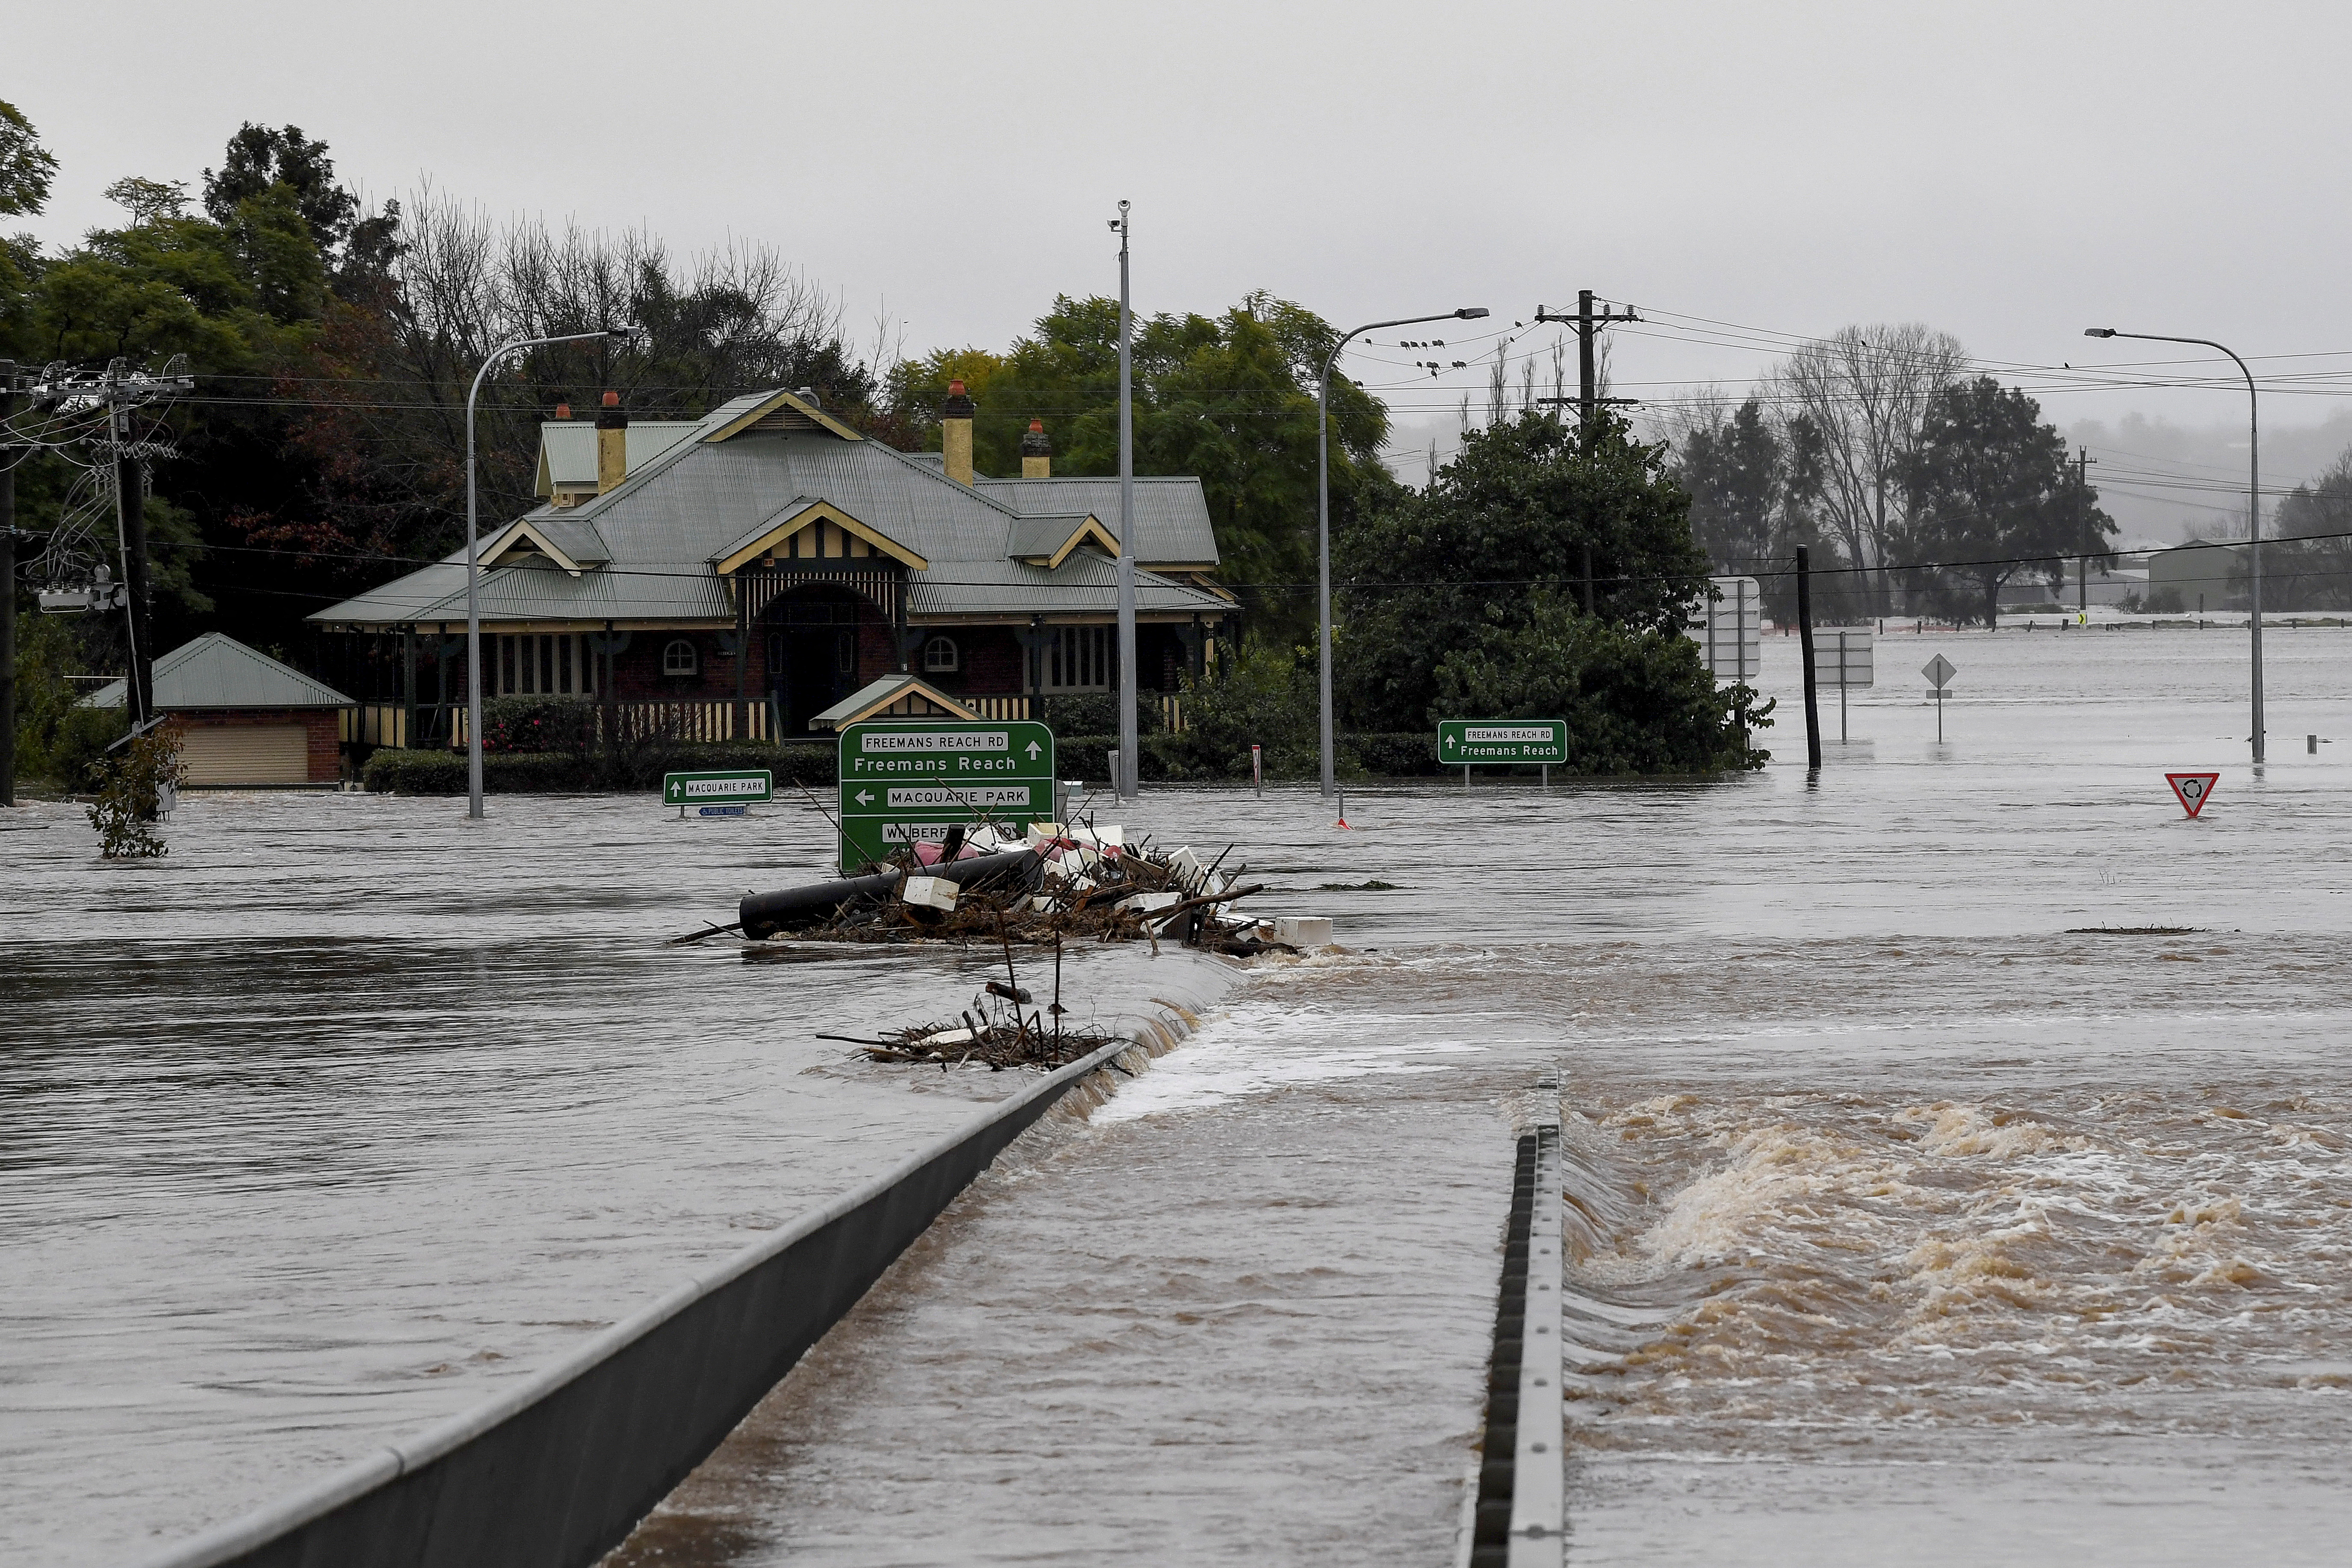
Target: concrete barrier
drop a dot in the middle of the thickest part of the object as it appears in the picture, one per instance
(556, 1472)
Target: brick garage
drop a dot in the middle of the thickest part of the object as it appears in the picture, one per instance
(246, 722)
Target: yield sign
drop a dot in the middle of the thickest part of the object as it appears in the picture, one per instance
(2194, 789)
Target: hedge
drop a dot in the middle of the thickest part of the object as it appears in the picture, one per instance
(1179, 758)
(395, 772)
(1165, 759)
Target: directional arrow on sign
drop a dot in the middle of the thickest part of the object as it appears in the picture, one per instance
(864, 797)
(1033, 751)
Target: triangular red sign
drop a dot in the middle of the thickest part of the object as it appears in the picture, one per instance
(2193, 789)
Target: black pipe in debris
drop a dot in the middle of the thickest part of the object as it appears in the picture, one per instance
(765, 914)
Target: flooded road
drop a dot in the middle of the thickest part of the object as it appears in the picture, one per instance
(346, 1114)
(1923, 1220)
(1916, 1222)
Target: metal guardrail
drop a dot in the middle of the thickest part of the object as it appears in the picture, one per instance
(1521, 1512)
(556, 1472)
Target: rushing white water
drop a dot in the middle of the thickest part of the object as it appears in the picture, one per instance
(1914, 1222)
(1920, 1222)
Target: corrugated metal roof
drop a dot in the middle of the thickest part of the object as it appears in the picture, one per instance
(575, 537)
(567, 449)
(218, 671)
(1171, 514)
(1085, 584)
(700, 500)
(1044, 535)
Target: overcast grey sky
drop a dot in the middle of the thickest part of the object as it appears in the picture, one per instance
(2008, 172)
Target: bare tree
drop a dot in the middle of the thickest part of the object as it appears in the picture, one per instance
(1865, 391)
(387, 383)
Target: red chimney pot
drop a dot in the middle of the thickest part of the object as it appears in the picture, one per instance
(563, 411)
(611, 400)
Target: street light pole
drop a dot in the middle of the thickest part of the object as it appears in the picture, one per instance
(473, 565)
(2253, 501)
(1130, 773)
(1323, 511)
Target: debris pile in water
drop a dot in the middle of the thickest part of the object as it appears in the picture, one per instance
(1004, 1027)
(1055, 883)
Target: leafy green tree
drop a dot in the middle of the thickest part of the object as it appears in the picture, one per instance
(2310, 566)
(26, 166)
(1523, 506)
(258, 159)
(1228, 398)
(1635, 701)
(1991, 493)
(1737, 471)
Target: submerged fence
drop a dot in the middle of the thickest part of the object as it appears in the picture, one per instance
(557, 1472)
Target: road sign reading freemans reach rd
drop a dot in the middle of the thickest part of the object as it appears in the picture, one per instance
(1463, 741)
(908, 781)
(737, 787)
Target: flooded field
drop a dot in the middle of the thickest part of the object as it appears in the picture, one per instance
(1930, 1206)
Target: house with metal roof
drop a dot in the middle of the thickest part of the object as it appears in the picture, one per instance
(737, 576)
(246, 722)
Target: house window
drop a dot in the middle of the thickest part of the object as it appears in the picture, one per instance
(528, 665)
(940, 657)
(677, 657)
(1078, 659)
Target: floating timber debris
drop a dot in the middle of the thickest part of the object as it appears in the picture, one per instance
(1051, 885)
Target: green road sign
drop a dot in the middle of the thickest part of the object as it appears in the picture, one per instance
(737, 786)
(905, 781)
(1461, 741)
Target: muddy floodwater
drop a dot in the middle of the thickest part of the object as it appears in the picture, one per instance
(1960, 1156)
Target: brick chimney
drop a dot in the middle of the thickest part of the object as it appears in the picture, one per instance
(1036, 452)
(955, 433)
(612, 443)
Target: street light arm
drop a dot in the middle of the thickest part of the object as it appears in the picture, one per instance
(473, 563)
(1323, 519)
(2253, 505)
(2159, 338)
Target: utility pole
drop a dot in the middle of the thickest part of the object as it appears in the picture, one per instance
(2082, 511)
(7, 589)
(1588, 324)
(1805, 631)
(131, 525)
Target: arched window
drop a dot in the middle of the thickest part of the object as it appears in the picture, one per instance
(940, 657)
(677, 657)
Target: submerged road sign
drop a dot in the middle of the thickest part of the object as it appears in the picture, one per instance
(2193, 789)
(1461, 741)
(738, 787)
(908, 781)
(1939, 671)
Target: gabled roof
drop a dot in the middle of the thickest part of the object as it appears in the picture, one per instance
(573, 545)
(802, 512)
(218, 671)
(780, 410)
(1049, 539)
(893, 697)
(567, 450)
(745, 471)
(1171, 515)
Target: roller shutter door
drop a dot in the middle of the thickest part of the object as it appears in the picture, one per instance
(246, 754)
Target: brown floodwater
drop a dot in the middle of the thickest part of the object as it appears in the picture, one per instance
(1929, 1205)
